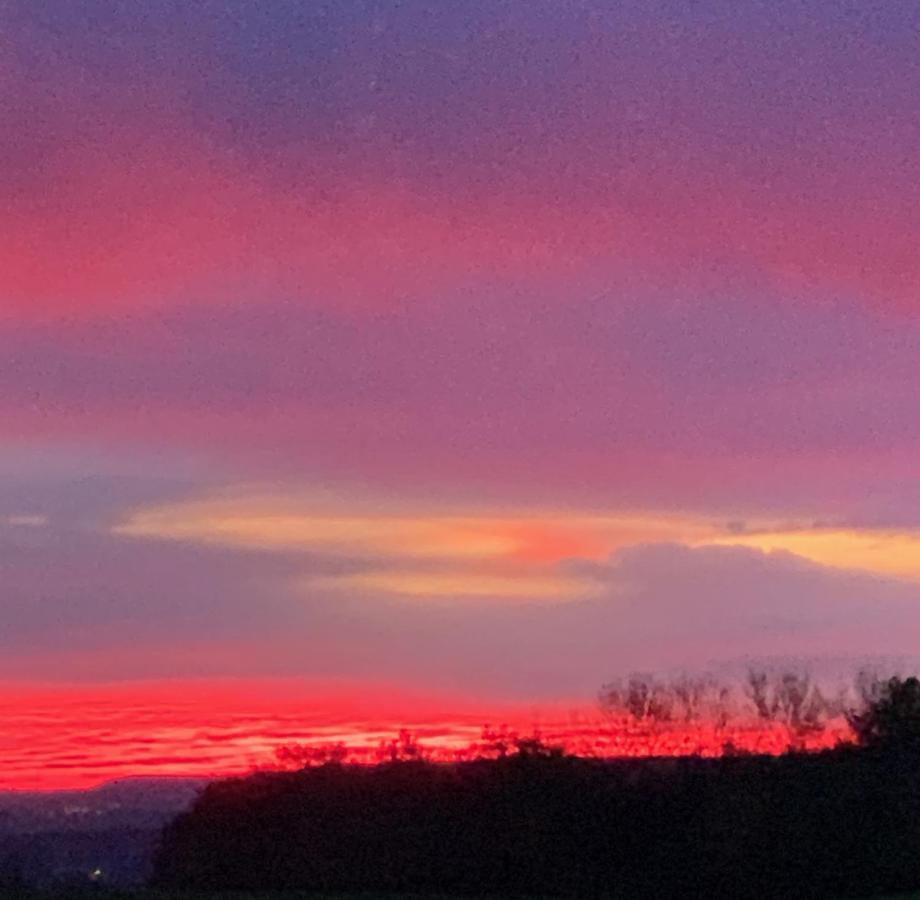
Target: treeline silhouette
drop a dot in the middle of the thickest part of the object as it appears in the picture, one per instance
(644, 715)
(534, 820)
(789, 698)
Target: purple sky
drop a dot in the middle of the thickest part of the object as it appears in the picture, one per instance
(497, 347)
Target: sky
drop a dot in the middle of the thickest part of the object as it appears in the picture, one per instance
(486, 348)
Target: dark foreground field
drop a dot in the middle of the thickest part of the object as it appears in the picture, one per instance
(78, 894)
(839, 824)
(289, 895)
(836, 825)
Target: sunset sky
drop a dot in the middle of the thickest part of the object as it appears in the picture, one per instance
(490, 349)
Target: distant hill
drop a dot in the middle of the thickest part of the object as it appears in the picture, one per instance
(111, 830)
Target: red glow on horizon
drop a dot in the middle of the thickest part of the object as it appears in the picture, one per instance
(55, 738)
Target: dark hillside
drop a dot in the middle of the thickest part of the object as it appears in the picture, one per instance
(839, 824)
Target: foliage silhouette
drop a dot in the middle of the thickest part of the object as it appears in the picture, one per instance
(528, 819)
(890, 718)
(837, 824)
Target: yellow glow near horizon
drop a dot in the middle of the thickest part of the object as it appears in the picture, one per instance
(257, 523)
(410, 553)
(881, 552)
(476, 553)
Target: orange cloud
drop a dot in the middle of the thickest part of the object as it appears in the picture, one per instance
(446, 551)
(411, 552)
(882, 551)
(258, 521)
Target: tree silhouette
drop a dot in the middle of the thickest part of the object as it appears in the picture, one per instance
(404, 748)
(892, 719)
(844, 823)
(642, 698)
(497, 742)
(300, 755)
(649, 701)
(790, 699)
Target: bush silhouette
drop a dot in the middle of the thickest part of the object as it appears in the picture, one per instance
(892, 719)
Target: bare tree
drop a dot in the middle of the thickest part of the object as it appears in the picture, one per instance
(793, 691)
(690, 693)
(611, 700)
(869, 686)
(758, 689)
(790, 699)
(721, 710)
(641, 698)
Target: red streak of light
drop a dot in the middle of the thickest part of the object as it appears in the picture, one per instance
(64, 738)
